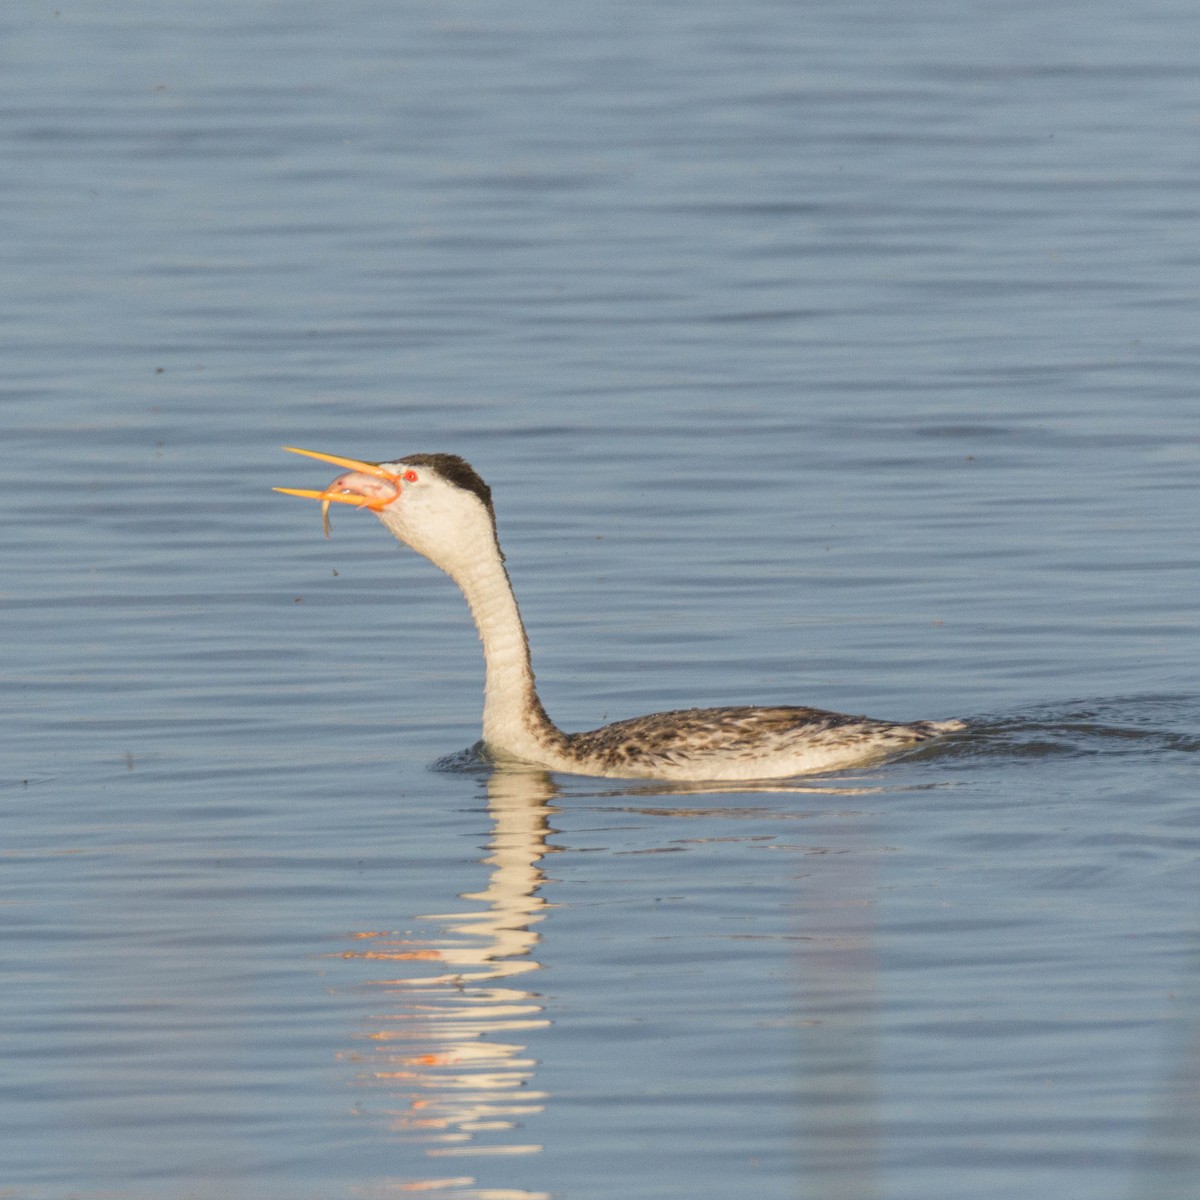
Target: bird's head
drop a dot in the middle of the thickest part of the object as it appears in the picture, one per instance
(435, 503)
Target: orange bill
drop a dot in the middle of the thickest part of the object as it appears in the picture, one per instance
(354, 464)
(343, 496)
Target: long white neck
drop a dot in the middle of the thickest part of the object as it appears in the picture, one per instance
(513, 717)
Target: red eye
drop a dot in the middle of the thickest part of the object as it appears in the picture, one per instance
(410, 477)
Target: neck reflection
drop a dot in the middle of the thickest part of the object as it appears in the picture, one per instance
(450, 1053)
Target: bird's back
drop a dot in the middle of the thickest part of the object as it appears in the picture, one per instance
(742, 742)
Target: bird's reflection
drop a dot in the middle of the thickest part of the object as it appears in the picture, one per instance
(450, 1052)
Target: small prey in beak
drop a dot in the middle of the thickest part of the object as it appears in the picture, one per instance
(365, 485)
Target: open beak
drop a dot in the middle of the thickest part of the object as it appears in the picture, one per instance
(367, 485)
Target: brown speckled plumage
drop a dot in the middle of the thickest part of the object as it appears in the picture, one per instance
(693, 736)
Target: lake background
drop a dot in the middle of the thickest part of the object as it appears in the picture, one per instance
(843, 355)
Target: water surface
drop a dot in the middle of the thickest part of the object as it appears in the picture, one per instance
(843, 357)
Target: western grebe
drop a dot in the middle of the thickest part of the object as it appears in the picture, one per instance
(438, 505)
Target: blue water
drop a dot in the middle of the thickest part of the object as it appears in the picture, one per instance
(843, 356)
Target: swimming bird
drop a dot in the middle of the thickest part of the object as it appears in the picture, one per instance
(438, 505)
